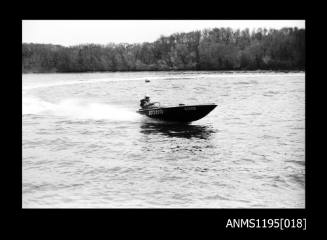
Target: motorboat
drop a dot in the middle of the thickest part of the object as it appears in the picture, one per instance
(181, 113)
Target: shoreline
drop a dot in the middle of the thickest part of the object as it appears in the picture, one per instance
(186, 71)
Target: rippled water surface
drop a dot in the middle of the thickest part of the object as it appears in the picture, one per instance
(85, 146)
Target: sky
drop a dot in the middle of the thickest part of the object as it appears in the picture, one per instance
(74, 32)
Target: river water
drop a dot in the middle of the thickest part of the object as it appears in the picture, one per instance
(84, 146)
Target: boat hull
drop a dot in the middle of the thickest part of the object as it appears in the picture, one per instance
(185, 113)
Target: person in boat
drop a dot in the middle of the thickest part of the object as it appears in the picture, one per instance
(145, 102)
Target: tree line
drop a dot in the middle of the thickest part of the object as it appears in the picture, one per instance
(209, 49)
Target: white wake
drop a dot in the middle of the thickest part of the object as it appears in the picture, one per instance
(78, 109)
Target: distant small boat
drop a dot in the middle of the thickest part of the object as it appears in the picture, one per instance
(181, 113)
(147, 80)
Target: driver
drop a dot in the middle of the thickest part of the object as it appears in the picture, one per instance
(145, 102)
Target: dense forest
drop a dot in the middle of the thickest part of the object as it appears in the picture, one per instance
(210, 49)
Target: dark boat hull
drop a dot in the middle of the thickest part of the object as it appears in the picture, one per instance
(185, 113)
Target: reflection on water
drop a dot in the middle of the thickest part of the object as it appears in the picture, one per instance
(178, 130)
